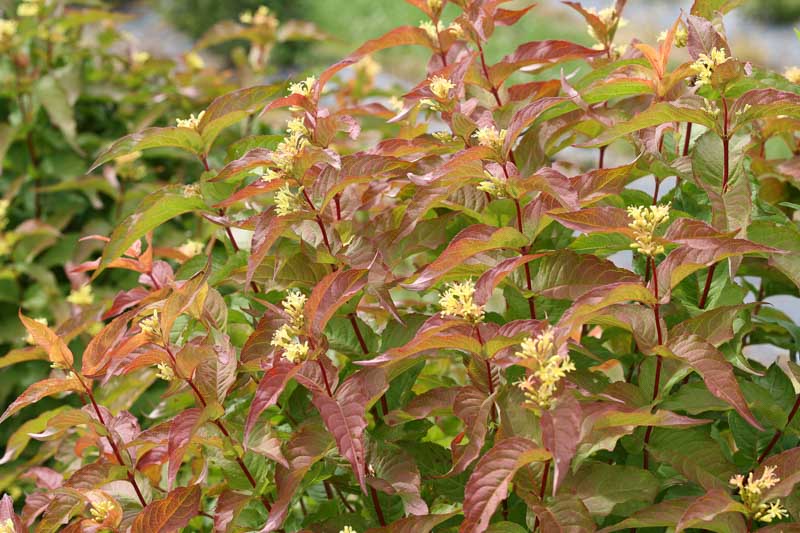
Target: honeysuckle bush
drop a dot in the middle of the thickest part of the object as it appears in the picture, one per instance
(402, 313)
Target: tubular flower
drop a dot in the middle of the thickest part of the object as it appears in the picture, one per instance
(441, 87)
(494, 185)
(348, 529)
(549, 368)
(610, 19)
(792, 73)
(82, 296)
(433, 5)
(680, 39)
(304, 87)
(705, 64)
(645, 221)
(288, 201)
(262, 17)
(750, 491)
(491, 137)
(458, 301)
(151, 326)
(100, 510)
(192, 122)
(285, 337)
(165, 371)
(28, 8)
(290, 147)
(191, 248)
(432, 30)
(8, 28)
(7, 526)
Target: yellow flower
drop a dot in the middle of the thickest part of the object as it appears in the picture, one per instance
(792, 74)
(297, 126)
(29, 339)
(7, 526)
(348, 529)
(610, 19)
(458, 301)
(4, 205)
(750, 491)
(165, 371)
(457, 30)
(368, 67)
(490, 137)
(28, 8)
(191, 248)
(434, 5)
(494, 185)
(396, 104)
(82, 296)
(431, 29)
(288, 201)
(262, 17)
(680, 39)
(645, 221)
(441, 87)
(443, 136)
(303, 87)
(549, 367)
(285, 337)
(8, 28)
(705, 64)
(192, 122)
(100, 510)
(194, 61)
(141, 57)
(151, 326)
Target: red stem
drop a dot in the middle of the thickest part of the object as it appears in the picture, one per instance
(542, 488)
(531, 302)
(235, 246)
(365, 349)
(704, 297)
(725, 146)
(319, 222)
(377, 504)
(688, 137)
(324, 377)
(486, 74)
(657, 380)
(779, 432)
(602, 158)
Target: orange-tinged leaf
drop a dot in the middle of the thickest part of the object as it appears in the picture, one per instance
(183, 138)
(170, 514)
(332, 292)
(232, 107)
(39, 390)
(57, 350)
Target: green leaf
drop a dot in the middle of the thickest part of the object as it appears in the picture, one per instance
(183, 138)
(230, 108)
(154, 210)
(602, 487)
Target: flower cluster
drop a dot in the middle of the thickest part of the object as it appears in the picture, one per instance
(304, 87)
(434, 5)
(82, 296)
(286, 336)
(680, 39)
(458, 300)
(101, 510)
(191, 248)
(192, 122)
(495, 186)
(165, 371)
(440, 87)
(433, 30)
(7, 238)
(7, 526)
(28, 8)
(645, 221)
(610, 19)
(290, 147)
(151, 326)
(549, 367)
(792, 73)
(262, 17)
(8, 28)
(751, 490)
(705, 64)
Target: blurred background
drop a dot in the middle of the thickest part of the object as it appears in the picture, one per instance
(763, 30)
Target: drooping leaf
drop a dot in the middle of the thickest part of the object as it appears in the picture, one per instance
(171, 513)
(42, 389)
(184, 138)
(230, 108)
(488, 485)
(330, 294)
(708, 508)
(47, 339)
(561, 433)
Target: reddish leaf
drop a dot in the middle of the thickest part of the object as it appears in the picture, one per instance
(526, 116)
(468, 243)
(490, 279)
(488, 484)
(396, 473)
(440, 334)
(269, 389)
(181, 430)
(229, 505)
(473, 407)
(255, 158)
(332, 292)
(98, 352)
(170, 514)
(414, 524)
(539, 53)
(232, 107)
(431, 403)
(561, 432)
(47, 339)
(596, 220)
(7, 514)
(39, 390)
(567, 275)
(662, 514)
(269, 227)
(716, 371)
(708, 507)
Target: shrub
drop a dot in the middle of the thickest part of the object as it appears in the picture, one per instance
(379, 326)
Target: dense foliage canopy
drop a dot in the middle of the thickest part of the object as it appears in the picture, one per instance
(326, 305)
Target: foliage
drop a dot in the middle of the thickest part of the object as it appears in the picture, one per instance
(409, 314)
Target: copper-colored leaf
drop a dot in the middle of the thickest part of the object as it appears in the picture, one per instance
(170, 514)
